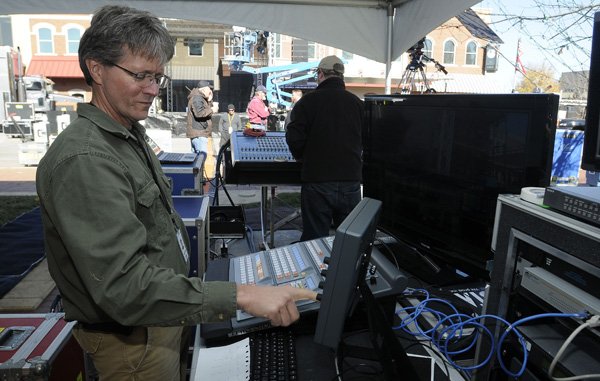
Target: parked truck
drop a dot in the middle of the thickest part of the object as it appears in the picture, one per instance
(27, 107)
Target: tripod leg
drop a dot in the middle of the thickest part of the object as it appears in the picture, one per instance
(411, 82)
(428, 89)
(408, 81)
(404, 81)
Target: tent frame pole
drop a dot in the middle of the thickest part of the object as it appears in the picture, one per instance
(388, 56)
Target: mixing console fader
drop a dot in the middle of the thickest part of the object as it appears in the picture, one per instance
(268, 148)
(298, 265)
(261, 160)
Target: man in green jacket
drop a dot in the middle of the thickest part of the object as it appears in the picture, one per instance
(116, 248)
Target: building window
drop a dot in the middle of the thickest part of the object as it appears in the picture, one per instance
(195, 47)
(276, 45)
(347, 55)
(73, 37)
(312, 50)
(428, 48)
(46, 45)
(471, 53)
(449, 47)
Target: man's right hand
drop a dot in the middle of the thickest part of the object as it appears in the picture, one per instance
(278, 304)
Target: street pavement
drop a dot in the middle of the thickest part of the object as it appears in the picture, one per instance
(19, 180)
(15, 179)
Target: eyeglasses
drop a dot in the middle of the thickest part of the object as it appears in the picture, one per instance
(145, 79)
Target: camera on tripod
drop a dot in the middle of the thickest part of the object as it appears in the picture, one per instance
(417, 62)
(418, 47)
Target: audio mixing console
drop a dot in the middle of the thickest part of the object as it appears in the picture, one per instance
(261, 160)
(298, 265)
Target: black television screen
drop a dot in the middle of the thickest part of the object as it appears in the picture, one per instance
(439, 161)
(591, 144)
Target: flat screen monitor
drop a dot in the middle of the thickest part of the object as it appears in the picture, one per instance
(347, 265)
(591, 143)
(439, 161)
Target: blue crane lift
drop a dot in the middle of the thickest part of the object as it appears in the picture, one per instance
(239, 52)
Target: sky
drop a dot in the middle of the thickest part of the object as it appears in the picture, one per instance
(541, 42)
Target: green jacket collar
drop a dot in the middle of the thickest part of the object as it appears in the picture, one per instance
(105, 122)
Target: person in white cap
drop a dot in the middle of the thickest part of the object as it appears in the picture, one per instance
(257, 111)
(324, 133)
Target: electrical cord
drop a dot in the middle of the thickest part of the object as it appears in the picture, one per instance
(389, 250)
(218, 178)
(450, 328)
(522, 341)
(249, 239)
(592, 322)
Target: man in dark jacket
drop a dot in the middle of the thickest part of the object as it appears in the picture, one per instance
(324, 133)
(199, 114)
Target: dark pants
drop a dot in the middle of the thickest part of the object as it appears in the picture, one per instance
(325, 203)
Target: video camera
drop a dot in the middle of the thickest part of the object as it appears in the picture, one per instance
(417, 47)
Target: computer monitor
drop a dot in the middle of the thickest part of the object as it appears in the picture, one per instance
(591, 143)
(345, 283)
(347, 266)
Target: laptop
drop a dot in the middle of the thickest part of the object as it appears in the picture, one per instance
(171, 157)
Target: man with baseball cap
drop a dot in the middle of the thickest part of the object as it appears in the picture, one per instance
(324, 133)
(257, 110)
(199, 116)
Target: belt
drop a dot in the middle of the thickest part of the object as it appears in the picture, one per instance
(111, 327)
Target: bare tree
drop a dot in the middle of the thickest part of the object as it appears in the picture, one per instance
(560, 29)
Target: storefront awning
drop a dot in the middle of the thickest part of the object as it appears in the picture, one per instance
(55, 67)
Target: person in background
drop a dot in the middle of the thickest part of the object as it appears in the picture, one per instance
(324, 133)
(296, 95)
(257, 110)
(116, 248)
(229, 123)
(199, 115)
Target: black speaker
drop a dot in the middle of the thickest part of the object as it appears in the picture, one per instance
(591, 143)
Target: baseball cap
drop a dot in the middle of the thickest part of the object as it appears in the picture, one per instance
(230, 107)
(332, 63)
(204, 83)
(261, 88)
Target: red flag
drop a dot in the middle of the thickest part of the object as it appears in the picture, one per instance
(518, 64)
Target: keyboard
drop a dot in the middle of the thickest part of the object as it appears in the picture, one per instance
(273, 355)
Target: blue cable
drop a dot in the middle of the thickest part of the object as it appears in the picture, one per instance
(451, 327)
(522, 340)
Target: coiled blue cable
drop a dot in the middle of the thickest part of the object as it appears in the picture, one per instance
(450, 328)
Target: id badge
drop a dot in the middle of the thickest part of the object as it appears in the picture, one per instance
(184, 251)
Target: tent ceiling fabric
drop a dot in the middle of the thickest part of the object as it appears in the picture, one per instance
(356, 26)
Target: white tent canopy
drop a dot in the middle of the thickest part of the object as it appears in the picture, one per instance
(381, 30)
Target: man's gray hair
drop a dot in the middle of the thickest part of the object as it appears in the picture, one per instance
(332, 73)
(116, 28)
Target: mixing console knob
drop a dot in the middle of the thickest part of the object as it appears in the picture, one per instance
(324, 273)
(326, 260)
(321, 284)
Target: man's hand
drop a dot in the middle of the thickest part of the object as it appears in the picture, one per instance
(274, 303)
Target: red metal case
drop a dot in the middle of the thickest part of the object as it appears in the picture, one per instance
(39, 347)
